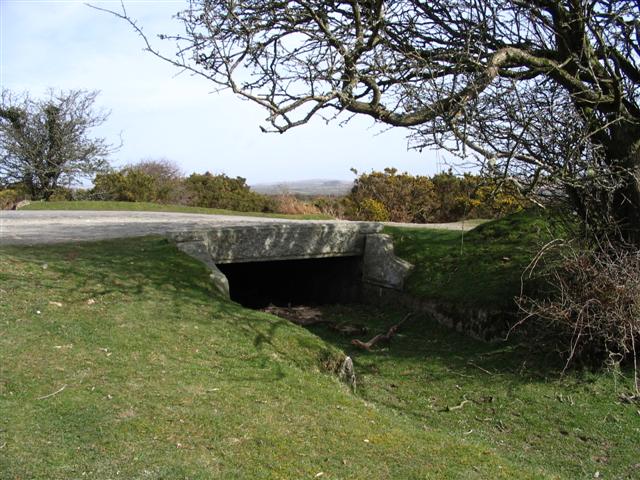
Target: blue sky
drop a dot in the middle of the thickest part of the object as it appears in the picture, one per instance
(162, 113)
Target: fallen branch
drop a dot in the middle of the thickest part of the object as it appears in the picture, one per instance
(52, 394)
(381, 337)
(480, 368)
(457, 407)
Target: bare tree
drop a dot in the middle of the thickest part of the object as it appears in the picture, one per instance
(540, 92)
(45, 144)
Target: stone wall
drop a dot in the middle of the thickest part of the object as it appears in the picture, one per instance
(480, 323)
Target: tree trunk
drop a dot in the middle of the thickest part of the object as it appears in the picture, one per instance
(608, 202)
(625, 150)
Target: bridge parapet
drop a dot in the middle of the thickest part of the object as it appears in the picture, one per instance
(283, 241)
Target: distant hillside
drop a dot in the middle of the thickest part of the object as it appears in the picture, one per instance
(305, 187)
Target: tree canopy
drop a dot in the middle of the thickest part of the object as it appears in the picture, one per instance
(542, 92)
(45, 143)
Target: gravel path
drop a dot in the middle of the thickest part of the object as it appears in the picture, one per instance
(29, 227)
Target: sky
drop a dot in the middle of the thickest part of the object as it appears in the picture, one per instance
(159, 112)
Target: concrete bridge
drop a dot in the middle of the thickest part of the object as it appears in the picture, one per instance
(217, 240)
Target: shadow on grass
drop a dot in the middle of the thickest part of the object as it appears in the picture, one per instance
(424, 339)
(125, 266)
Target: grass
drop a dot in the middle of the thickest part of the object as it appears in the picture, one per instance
(479, 268)
(558, 426)
(162, 379)
(156, 207)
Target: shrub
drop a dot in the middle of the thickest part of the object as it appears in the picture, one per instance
(9, 198)
(292, 205)
(157, 181)
(125, 186)
(444, 197)
(332, 206)
(220, 191)
(61, 195)
(493, 199)
(371, 210)
(591, 304)
(391, 196)
(167, 179)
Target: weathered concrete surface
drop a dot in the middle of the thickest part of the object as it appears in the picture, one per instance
(463, 225)
(275, 242)
(199, 251)
(381, 266)
(284, 241)
(30, 227)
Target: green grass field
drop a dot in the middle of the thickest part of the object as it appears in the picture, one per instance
(156, 207)
(119, 361)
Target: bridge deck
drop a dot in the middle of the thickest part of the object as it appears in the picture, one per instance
(29, 227)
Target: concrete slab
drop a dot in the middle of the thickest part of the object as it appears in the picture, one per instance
(32, 227)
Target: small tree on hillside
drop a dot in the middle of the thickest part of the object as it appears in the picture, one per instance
(45, 144)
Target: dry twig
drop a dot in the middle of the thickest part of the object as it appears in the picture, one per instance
(480, 368)
(457, 407)
(52, 394)
(381, 337)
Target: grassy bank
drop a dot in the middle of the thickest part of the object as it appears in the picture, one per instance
(482, 267)
(118, 361)
(156, 207)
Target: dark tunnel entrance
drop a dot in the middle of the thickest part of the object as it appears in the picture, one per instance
(286, 283)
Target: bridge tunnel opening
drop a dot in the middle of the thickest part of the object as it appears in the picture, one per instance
(285, 283)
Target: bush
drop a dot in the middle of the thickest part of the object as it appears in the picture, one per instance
(9, 198)
(61, 195)
(220, 191)
(332, 206)
(368, 209)
(591, 304)
(125, 186)
(391, 196)
(444, 197)
(292, 205)
(452, 197)
(474, 196)
(167, 179)
(158, 181)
